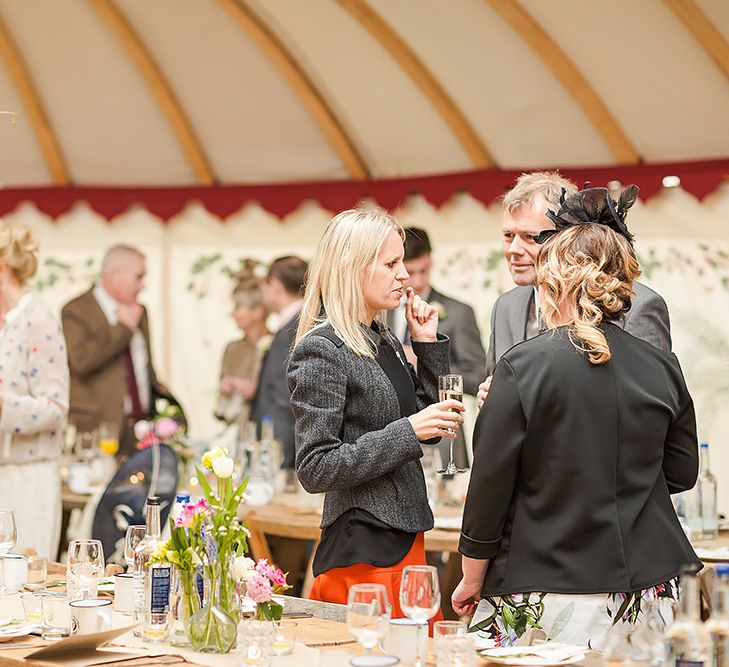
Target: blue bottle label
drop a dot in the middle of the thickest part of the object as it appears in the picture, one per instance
(160, 590)
(200, 585)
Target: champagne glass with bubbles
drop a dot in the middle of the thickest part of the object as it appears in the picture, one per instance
(368, 615)
(8, 535)
(450, 387)
(419, 598)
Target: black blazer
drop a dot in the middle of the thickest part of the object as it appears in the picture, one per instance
(272, 396)
(573, 467)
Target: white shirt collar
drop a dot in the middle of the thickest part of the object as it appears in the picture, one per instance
(107, 303)
(288, 313)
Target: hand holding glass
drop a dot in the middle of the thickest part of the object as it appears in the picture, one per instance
(368, 614)
(450, 387)
(420, 598)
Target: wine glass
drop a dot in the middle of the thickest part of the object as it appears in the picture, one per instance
(450, 386)
(84, 568)
(8, 535)
(135, 534)
(368, 614)
(419, 598)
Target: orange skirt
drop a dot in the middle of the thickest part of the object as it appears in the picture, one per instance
(333, 585)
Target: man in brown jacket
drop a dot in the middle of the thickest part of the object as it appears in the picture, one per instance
(107, 334)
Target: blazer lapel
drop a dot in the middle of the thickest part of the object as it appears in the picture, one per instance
(520, 314)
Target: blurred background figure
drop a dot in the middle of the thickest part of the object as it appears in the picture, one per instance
(242, 358)
(282, 293)
(33, 397)
(107, 331)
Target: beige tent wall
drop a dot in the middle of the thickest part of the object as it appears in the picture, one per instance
(683, 245)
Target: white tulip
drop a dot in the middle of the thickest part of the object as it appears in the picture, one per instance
(242, 567)
(223, 467)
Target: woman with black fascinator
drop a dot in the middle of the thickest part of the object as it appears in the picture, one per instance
(584, 434)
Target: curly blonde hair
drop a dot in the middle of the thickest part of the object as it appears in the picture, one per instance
(18, 250)
(587, 272)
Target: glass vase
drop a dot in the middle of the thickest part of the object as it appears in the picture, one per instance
(213, 628)
(185, 603)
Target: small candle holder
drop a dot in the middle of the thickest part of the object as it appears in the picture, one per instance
(284, 637)
(255, 642)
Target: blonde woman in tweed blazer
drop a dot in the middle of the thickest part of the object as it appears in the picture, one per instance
(361, 411)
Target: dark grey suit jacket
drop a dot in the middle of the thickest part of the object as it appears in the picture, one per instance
(351, 441)
(647, 319)
(573, 466)
(272, 395)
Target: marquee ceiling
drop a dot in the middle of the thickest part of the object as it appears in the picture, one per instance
(201, 92)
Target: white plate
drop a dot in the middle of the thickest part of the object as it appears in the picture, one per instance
(9, 632)
(713, 555)
(544, 654)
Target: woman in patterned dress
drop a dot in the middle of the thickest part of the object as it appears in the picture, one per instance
(33, 397)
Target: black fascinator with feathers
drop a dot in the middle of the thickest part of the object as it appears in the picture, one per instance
(592, 205)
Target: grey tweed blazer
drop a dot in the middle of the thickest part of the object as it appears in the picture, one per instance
(351, 441)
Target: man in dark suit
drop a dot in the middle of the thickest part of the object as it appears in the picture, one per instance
(456, 320)
(282, 293)
(109, 357)
(515, 316)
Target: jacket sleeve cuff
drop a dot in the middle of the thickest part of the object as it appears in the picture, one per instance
(435, 354)
(479, 549)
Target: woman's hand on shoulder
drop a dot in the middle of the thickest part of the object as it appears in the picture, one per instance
(439, 420)
(422, 318)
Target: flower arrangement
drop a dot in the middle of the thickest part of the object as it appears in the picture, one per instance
(262, 581)
(208, 532)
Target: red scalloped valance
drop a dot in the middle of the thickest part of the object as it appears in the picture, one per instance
(698, 178)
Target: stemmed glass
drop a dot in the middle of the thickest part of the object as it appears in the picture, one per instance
(84, 568)
(368, 614)
(135, 534)
(450, 386)
(8, 535)
(419, 598)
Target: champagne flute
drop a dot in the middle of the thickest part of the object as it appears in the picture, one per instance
(368, 614)
(84, 568)
(419, 598)
(135, 534)
(450, 386)
(8, 535)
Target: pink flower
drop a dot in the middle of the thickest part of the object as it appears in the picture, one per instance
(277, 577)
(189, 511)
(258, 588)
(166, 428)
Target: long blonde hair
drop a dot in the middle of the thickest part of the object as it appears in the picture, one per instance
(352, 240)
(587, 271)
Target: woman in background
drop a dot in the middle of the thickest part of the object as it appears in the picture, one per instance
(361, 411)
(242, 358)
(585, 432)
(33, 397)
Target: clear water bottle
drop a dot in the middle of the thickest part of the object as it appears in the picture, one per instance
(706, 485)
(688, 638)
(718, 624)
(142, 554)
